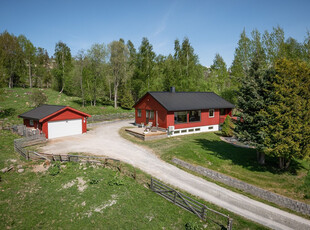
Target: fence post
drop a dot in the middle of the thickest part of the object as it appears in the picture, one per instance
(175, 196)
(151, 184)
(229, 225)
(203, 212)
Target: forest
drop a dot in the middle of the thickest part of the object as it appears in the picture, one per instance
(268, 80)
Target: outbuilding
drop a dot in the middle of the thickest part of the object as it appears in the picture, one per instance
(182, 112)
(56, 120)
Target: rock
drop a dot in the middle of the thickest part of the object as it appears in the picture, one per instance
(4, 170)
(19, 166)
(20, 170)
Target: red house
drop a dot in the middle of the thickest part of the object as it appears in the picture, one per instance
(182, 112)
(56, 121)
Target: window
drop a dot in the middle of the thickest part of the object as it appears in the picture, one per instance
(211, 112)
(147, 113)
(183, 131)
(210, 127)
(222, 112)
(151, 114)
(180, 117)
(194, 116)
(139, 113)
(197, 129)
(191, 130)
(31, 122)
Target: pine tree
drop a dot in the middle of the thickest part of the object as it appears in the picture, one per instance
(253, 98)
(227, 128)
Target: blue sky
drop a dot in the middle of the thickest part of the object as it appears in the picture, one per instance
(211, 26)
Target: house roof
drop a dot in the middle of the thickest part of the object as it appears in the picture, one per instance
(180, 101)
(44, 111)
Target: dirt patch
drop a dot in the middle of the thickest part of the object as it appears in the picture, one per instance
(69, 184)
(40, 168)
(100, 208)
(81, 184)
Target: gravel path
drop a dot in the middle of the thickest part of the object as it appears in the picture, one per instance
(105, 140)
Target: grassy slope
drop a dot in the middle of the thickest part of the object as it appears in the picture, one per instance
(19, 100)
(206, 149)
(38, 200)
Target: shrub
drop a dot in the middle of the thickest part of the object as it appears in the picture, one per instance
(227, 128)
(94, 181)
(54, 169)
(192, 226)
(117, 180)
(38, 97)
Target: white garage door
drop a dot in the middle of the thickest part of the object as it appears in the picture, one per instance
(64, 128)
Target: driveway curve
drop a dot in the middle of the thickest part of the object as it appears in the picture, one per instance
(105, 140)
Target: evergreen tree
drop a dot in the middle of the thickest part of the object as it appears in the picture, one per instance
(228, 126)
(253, 98)
(287, 135)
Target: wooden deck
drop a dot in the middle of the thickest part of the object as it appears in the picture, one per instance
(139, 132)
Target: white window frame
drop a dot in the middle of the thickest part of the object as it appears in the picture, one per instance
(212, 112)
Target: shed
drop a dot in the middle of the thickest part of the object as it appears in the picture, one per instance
(183, 112)
(56, 120)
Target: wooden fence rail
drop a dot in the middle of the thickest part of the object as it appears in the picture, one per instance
(183, 201)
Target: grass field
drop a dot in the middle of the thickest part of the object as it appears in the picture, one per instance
(84, 197)
(206, 149)
(17, 101)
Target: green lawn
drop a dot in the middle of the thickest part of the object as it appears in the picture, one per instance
(17, 101)
(206, 149)
(32, 200)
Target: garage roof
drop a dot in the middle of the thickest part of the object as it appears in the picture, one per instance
(180, 101)
(44, 111)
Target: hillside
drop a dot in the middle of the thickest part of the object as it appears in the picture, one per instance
(17, 100)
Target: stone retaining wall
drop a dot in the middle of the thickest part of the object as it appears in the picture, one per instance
(258, 192)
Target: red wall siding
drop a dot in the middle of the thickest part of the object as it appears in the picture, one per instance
(65, 115)
(35, 124)
(149, 103)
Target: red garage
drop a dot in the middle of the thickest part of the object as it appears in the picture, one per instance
(56, 121)
(183, 112)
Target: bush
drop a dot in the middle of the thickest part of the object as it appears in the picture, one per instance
(192, 226)
(94, 181)
(227, 128)
(38, 98)
(117, 180)
(54, 169)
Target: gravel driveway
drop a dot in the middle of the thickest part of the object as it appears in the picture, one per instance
(105, 140)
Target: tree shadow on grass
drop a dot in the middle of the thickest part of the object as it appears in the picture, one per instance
(247, 158)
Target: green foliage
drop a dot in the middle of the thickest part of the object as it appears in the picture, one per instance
(116, 180)
(126, 99)
(54, 169)
(94, 181)
(192, 226)
(227, 128)
(287, 134)
(38, 97)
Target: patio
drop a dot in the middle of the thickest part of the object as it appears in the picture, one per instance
(146, 136)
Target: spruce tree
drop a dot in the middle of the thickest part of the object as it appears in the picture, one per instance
(227, 128)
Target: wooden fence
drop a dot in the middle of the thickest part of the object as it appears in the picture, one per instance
(199, 209)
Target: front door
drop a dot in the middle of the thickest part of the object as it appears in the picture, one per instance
(147, 116)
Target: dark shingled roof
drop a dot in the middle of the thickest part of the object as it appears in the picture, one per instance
(180, 101)
(42, 111)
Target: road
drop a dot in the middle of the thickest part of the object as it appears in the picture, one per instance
(105, 140)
